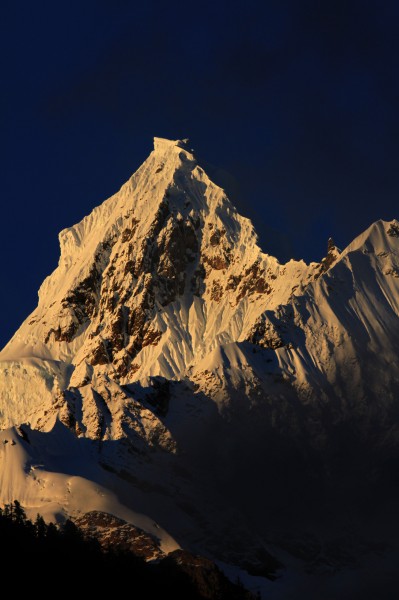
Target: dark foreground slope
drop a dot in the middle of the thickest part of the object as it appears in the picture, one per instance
(28, 544)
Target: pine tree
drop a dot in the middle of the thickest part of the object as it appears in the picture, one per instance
(40, 527)
(18, 513)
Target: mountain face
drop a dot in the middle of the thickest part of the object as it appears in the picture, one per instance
(173, 362)
(156, 279)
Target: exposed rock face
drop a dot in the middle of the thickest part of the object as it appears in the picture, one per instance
(115, 533)
(393, 230)
(332, 255)
(267, 335)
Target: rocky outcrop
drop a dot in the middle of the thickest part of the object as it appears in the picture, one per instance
(117, 534)
(331, 257)
(267, 335)
(209, 581)
(393, 230)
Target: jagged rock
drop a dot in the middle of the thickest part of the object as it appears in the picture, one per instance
(116, 533)
(393, 230)
(332, 255)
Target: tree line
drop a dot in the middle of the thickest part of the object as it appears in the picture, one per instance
(34, 546)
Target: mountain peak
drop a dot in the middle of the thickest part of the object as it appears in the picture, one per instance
(162, 145)
(154, 278)
(166, 335)
(152, 282)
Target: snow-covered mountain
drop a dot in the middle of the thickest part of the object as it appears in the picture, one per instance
(176, 356)
(156, 279)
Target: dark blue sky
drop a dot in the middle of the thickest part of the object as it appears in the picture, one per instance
(296, 103)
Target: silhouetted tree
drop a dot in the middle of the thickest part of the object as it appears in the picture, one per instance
(19, 515)
(40, 527)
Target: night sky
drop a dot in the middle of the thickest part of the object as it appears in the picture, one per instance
(295, 104)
